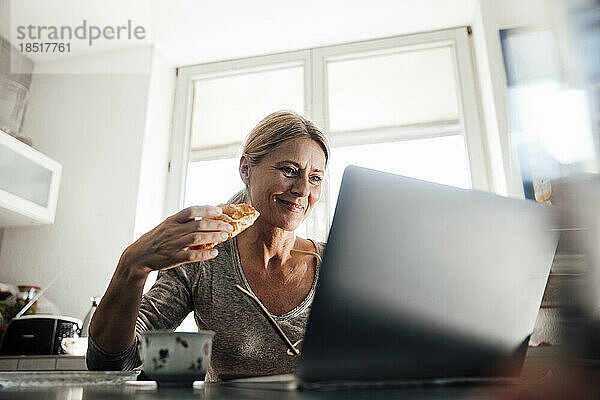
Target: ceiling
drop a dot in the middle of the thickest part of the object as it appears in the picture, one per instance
(190, 32)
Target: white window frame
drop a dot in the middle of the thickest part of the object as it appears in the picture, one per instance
(468, 121)
(182, 118)
(315, 106)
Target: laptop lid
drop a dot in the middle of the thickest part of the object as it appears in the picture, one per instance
(422, 280)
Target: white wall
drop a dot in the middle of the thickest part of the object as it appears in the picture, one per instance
(198, 32)
(155, 150)
(95, 126)
(490, 17)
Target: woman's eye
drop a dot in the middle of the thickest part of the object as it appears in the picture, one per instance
(288, 171)
(316, 179)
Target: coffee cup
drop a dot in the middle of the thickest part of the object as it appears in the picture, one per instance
(176, 357)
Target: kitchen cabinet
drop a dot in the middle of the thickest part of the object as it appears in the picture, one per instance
(29, 184)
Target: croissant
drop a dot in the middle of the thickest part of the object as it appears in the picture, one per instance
(240, 216)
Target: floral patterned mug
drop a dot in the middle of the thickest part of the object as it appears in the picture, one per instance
(176, 357)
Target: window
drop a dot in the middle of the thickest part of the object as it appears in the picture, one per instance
(400, 87)
(397, 105)
(441, 160)
(405, 105)
(226, 106)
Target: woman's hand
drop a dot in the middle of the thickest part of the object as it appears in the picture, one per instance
(164, 247)
(168, 244)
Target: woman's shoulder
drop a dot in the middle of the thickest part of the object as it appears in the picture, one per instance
(320, 247)
(312, 243)
(226, 259)
(204, 271)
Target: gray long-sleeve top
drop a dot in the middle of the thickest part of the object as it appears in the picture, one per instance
(244, 342)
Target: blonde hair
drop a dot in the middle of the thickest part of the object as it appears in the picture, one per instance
(273, 130)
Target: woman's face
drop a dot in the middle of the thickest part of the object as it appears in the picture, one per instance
(286, 184)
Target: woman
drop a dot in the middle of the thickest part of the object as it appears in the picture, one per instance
(282, 167)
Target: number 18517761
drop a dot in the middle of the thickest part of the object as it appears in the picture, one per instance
(45, 47)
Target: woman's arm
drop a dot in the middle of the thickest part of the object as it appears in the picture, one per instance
(126, 292)
(113, 323)
(165, 305)
(166, 246)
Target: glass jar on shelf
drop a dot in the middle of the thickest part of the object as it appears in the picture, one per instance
(13, 98)
(25, 294)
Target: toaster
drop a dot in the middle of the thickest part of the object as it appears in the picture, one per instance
(38, 334)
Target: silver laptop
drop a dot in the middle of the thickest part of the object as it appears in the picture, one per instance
(426, 281)
(423, 282)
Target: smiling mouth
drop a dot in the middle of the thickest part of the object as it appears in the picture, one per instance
(291, 206)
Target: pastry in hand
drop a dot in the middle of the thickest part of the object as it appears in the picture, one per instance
(240, 216)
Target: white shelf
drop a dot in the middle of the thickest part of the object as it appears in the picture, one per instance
(29, 184)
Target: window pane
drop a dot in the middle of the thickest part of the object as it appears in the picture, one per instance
(212, 182)
(393, 89)
(442, 160)
(226, 108)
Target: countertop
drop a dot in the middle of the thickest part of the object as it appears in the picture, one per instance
(149, 390)
(562, 382)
